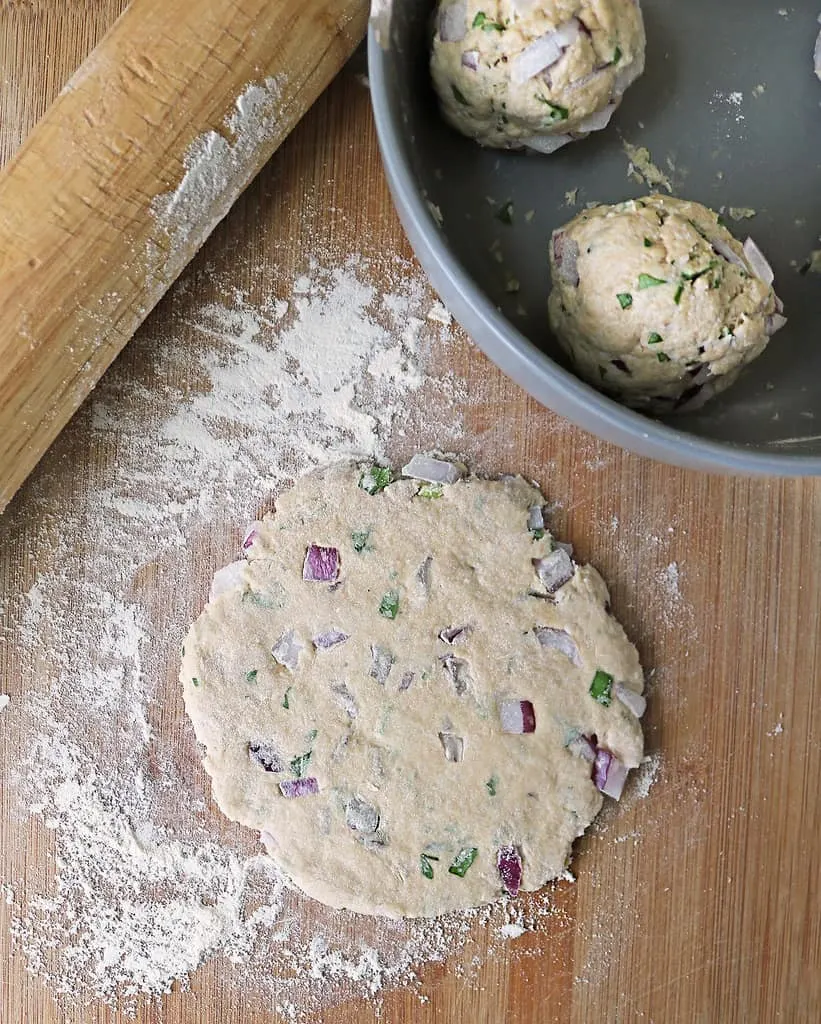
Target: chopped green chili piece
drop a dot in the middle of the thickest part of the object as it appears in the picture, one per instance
(360, 539)
(648, 244)
(389, 605)
(375, 479)
(537, 534)
(195, 681)
(679, 293)
(557, 111)
(662, 357)
(492, 784)
(648, 281)
(285, 702)
(430, 491)
(601, 687)
(655, 339)
(617, 55)
(251, 677)
(462, 861)
(425, 864)
(300, 763)
(625, 300)
(696, 274)
(505, 212)
(487, 24)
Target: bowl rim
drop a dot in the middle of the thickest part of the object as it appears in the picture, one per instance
(532, 369)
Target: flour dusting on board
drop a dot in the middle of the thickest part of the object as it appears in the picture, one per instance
(147, 881)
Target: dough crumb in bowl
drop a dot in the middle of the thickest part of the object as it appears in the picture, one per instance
(513, 74)
(657, 304)
(415, 695)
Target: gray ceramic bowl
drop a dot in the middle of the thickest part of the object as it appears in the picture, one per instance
(730, 143)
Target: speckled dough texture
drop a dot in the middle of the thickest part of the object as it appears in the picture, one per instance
(656, 302)
(513, 73)
(396, 734)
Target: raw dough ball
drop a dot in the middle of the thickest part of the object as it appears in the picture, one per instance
(401, 702)
(656, 302)
(535, 73)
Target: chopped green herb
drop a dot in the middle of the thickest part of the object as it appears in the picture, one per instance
(285, 702)
(492, 784)
(430, 491)
(251, 677)
(360, 539)
(425, 864)
(300, 763)
(462, 861)
(505, 212)
(601, 687)
(487, 24)
(459, 96)
(389, 605)
(648, 243)
(195, 681)
(617, 55)
(679, 293)
(696, 274)
(662, 357)
(655, 339)
(537, 534)
(625, 300)
(375, 479)
(648, 281)
(312, 735)
(557, 112)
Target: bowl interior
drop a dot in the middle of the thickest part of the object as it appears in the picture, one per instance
(730, 111)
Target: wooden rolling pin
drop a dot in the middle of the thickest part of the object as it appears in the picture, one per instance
(141, 155)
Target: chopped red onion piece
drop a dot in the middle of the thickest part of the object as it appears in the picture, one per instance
(609, 774)
(775, 323)
(757, 260)
(423, 572)
(226, 578)
(266, 756)
(509, 863)
(561, 545)
(470, 59)
(725, 250)
(453, 746)
(459, 672)
(566, 256)
(360, 815)
(454, 634)
(432, 471)
(286, 650)
(299, 787)
(406, 681)
(632, 701)
(535, 517)
(345, 699)
(324, 641)
(596, 122)
(559, 640)
(453, 22)
(547, 143)
(381, 664)
(517, 716)
(554, 570)
(582, 747)
(321, 564)
(544, 52)
(251, 536)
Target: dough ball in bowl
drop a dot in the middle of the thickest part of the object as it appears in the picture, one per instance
(534, 73)
(657, 303)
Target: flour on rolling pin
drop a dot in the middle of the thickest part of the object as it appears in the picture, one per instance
(146, 888)
(203, 197)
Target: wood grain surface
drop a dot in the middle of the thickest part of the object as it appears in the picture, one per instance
(697, 903)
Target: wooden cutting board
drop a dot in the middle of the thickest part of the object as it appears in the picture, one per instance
(698, 902)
